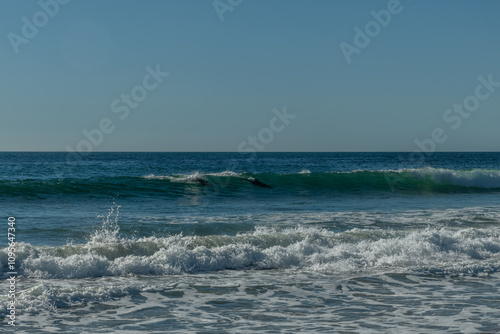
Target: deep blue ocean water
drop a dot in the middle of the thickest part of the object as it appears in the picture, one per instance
(234, 243)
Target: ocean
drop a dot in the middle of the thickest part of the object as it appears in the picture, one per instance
(241, 243)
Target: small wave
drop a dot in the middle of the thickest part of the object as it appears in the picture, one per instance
(423, 180)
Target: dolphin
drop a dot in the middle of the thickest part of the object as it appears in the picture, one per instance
(256, 182)
(203, 182)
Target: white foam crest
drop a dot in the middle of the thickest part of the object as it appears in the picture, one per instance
(187, 178)
(180, 178)
(156, 177)
(437, 249)
(225, 173)
(481, 178)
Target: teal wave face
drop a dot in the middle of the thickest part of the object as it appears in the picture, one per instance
(425, 180)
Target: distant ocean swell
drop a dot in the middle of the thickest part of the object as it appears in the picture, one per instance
(407, 180)
(445, 250)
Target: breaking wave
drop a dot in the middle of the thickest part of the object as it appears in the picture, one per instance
(423, 180)
(446, 250)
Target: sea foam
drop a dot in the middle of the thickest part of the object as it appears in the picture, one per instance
(450, 250)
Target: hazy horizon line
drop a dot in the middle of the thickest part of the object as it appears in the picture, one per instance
(246, 153)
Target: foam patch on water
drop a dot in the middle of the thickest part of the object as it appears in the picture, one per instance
(265, 301)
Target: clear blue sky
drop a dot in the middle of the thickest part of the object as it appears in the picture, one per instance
(227, 76)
